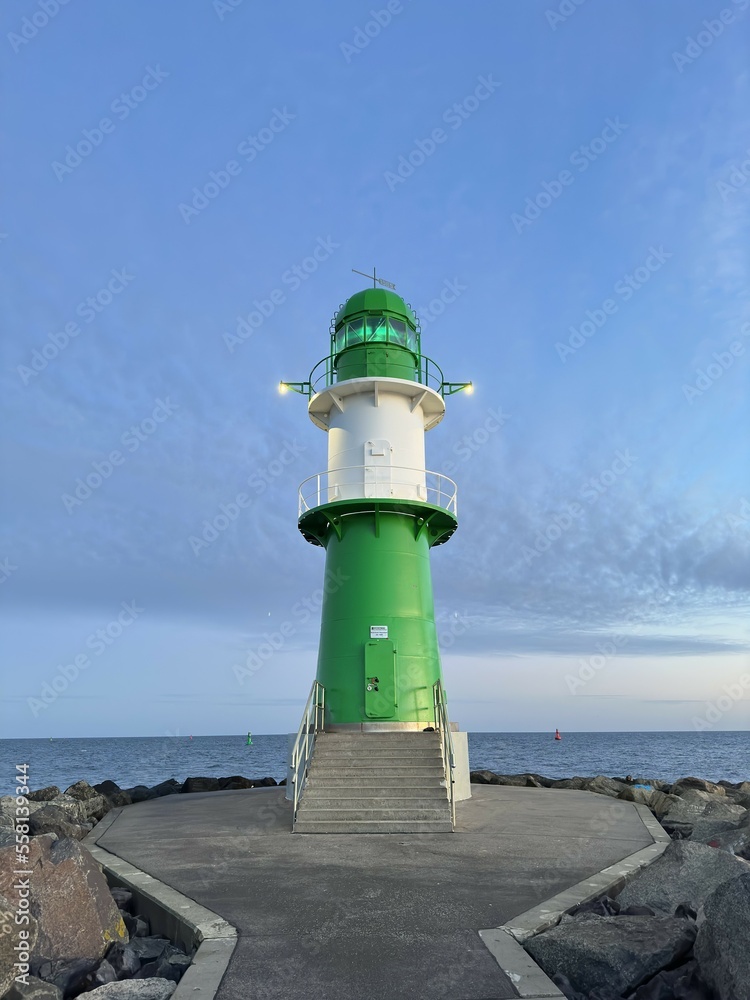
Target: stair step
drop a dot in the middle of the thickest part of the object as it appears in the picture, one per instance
(375, 739)
(352, 791)
(385, 734)
(346, 802)
(312, 810)
(345, 779)
(368, 826)
(408, 756)
(351, 774)
(357, 764)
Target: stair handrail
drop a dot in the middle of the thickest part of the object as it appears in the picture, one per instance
(313, 719)
(443, 726)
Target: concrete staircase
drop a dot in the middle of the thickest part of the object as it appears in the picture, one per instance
(375, 783)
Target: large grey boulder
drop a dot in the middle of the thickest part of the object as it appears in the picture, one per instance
(600, 784)
(123, 960)
(74, 807)
(134, 989)
(484, 777)
(117, 799)
(107, 787)
(95, 805)
(139, 793)
(682, 983)
(694, 805)
(168, 787)
(605, 786)
(149, 948)
(52, 819)
(723, 935)
(575, 784)
(685, 873)
(70, 976)
(657, 801)
(82, 791)
(735, 840)
(696, 784)
(709, 831)
(200, 785)
(620, 953)
(78, 918)
(44, 795)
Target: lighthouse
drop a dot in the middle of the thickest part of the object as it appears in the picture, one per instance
(377, 511)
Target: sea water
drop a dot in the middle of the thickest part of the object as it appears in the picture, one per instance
(147, 760)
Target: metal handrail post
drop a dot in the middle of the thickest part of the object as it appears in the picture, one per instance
(312, 722)
(442, 723)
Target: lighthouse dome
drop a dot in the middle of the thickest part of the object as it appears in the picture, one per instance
(376, 315)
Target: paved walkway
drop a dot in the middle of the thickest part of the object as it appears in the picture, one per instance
(372, 917)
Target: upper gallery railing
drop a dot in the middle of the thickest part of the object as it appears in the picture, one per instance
(378, 482)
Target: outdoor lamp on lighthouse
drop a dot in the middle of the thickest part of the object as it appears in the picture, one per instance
(377, 511)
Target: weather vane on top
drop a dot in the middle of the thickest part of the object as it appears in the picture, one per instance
(375, 279)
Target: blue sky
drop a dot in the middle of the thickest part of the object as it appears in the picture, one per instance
(562, 191)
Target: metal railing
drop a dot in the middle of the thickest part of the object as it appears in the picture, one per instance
(313, 719)
(443, 726)
(426, 371)
(351, 483)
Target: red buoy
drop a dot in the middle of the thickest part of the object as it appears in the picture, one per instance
(557, 734)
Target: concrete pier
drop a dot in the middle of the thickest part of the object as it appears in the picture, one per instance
(378, 916)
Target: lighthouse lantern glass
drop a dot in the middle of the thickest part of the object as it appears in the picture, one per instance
(376, 329)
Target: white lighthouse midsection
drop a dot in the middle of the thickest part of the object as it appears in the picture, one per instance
(376, 447)
(376, 429)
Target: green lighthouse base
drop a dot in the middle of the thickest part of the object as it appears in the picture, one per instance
(379, 657)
